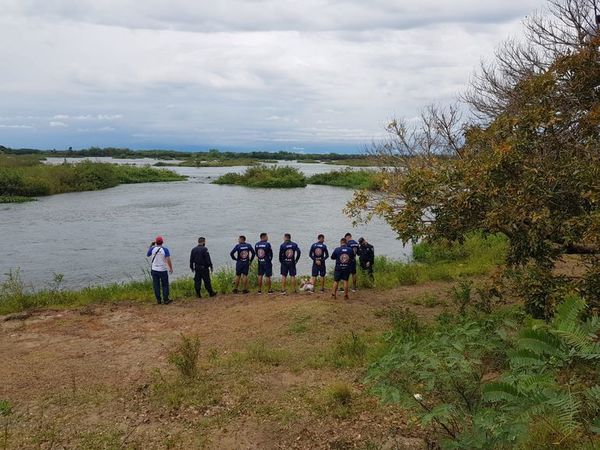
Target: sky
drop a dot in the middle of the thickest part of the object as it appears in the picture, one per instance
(307, 76)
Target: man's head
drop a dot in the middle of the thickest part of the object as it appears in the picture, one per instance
(242, 239)
(264, 237)
(287, 237)
(348, 236)
(201, 241)
(159, 240)
(343, 241)
(321, 238)
(362, 241)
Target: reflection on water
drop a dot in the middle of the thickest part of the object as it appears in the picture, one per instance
(100, 237)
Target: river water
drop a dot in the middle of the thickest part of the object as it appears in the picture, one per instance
(101, 237)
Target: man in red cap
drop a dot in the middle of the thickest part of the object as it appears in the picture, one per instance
(161, 262)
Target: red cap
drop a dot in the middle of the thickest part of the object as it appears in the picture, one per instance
(159, 239)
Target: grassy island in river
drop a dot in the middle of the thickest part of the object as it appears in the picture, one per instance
(23, 178)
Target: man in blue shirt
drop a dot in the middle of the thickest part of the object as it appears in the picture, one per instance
(289, 254)
(355, 247)
(161, 263)
(343, 257)
(243, 255)
(319, 253)
(264, 254)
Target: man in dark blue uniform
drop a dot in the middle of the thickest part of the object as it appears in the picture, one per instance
(201, 265)
(289, 254)
(243, 254)
(319, 253)
(264, 254)
(366, 254)
(354, 246)
(343, 257)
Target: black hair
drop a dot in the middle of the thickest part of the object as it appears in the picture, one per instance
(243, 237)
(348, 235)
(287, 236)
(321, 236)
(262, 235)
(201, 240)
(343, 241)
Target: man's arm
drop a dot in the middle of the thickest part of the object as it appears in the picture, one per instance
(149, 252)
(298, 253)
(169, 263)
(209, 261)
(192, 259)
(311, 252)
(252, 254)
(269, 253)
(281, 254)
(325, 253)
(232, 254)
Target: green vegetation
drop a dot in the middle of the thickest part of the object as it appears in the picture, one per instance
(356, 179)
(24, 177)
(286, 177)
(500, 380)
(265, 177)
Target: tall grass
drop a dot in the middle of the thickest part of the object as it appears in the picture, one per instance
(262, 176)
(25, 177)
(348, 178)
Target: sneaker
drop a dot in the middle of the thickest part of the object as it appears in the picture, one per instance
(353, 289)
(334, 296)
(322, 291)
(159, 302)
(245, 291)
(166, 302)
(270, 292)
(213, 294)
(259, 292)
(283, 292)
(235, 291)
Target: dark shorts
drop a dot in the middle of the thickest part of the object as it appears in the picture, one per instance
(288, 269)
(265, 269)
(242, 268)
(319, 271)
(342, 274)
(353, 268)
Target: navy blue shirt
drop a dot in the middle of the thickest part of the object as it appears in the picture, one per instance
(242, 253)
(344, 257)
(354, 246)
(264, 252)
(289, 253)
(318, 252)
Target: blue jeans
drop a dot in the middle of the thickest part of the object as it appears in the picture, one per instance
(159, 278)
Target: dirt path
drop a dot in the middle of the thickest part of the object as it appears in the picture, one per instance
(100, 377)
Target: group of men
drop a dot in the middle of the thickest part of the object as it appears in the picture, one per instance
(345, 257)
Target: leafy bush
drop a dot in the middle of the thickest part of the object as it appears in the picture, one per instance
(262, 176)
(185, 356)
(487, 383)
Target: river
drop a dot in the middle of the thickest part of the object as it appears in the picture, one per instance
(101, 237)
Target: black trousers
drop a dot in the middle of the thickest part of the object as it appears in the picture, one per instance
(200, 276)
(368, 270)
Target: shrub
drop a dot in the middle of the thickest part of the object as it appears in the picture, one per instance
(349, 178)
(262, 176)
(185, 356)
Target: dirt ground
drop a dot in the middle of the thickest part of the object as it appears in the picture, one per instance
(270, 374)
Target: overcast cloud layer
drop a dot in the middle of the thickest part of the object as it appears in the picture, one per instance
(317, 75)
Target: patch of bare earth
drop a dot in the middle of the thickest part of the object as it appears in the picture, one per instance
(100, 377)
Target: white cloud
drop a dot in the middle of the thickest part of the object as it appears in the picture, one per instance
(185, 73)
(17, 127)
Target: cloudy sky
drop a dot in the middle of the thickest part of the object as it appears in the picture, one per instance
(316, 75)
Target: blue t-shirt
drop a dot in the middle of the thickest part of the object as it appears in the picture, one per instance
(242, 253)
(344, 257)
(289, 253)
(318, 252)
(264, 252)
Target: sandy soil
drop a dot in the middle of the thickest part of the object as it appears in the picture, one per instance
(100, 377)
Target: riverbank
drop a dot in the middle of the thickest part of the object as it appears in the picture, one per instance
(477, 256)
(26, 177)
